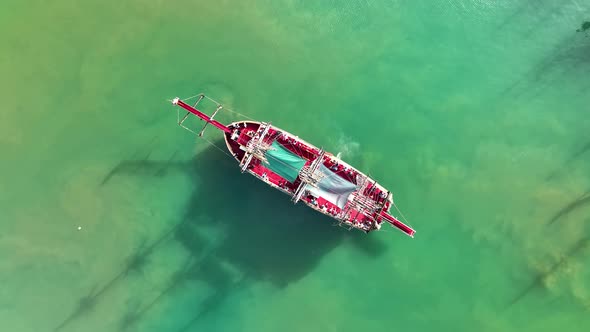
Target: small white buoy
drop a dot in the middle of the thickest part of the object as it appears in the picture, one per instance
(79, 228)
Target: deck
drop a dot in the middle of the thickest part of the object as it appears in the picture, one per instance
(352, 217)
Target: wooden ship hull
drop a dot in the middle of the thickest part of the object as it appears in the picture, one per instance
(304, 172)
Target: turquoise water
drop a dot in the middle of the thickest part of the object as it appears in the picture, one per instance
(474, 113)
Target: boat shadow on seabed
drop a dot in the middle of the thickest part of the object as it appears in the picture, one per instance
(259, 235)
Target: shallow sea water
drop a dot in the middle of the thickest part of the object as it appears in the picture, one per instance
(474, 113)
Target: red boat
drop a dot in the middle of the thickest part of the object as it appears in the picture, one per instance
(306, 173)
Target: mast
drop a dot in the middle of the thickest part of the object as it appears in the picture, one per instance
(363, 203)
(256, 147)
(309, 176)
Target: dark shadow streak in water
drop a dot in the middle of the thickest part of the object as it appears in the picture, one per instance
(134, 264)
(571, 53)
(519, 11)
(569, 161)
(579, 153)
(145, 167)
(188, 272)
(551, 14)
(176, 280)
(584, 91)
(576, 204)
(565, 64)
(162, 171)
(85, 304)
(584, 26)
(117, 167)
(537, 71)
(538, 281)
(541, 13)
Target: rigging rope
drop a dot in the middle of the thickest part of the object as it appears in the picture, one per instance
(218, 148)
(400, 213)
(195, 96)
(227, 109)
(216, 102)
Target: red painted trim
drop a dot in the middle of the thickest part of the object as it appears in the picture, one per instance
(400, 225)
